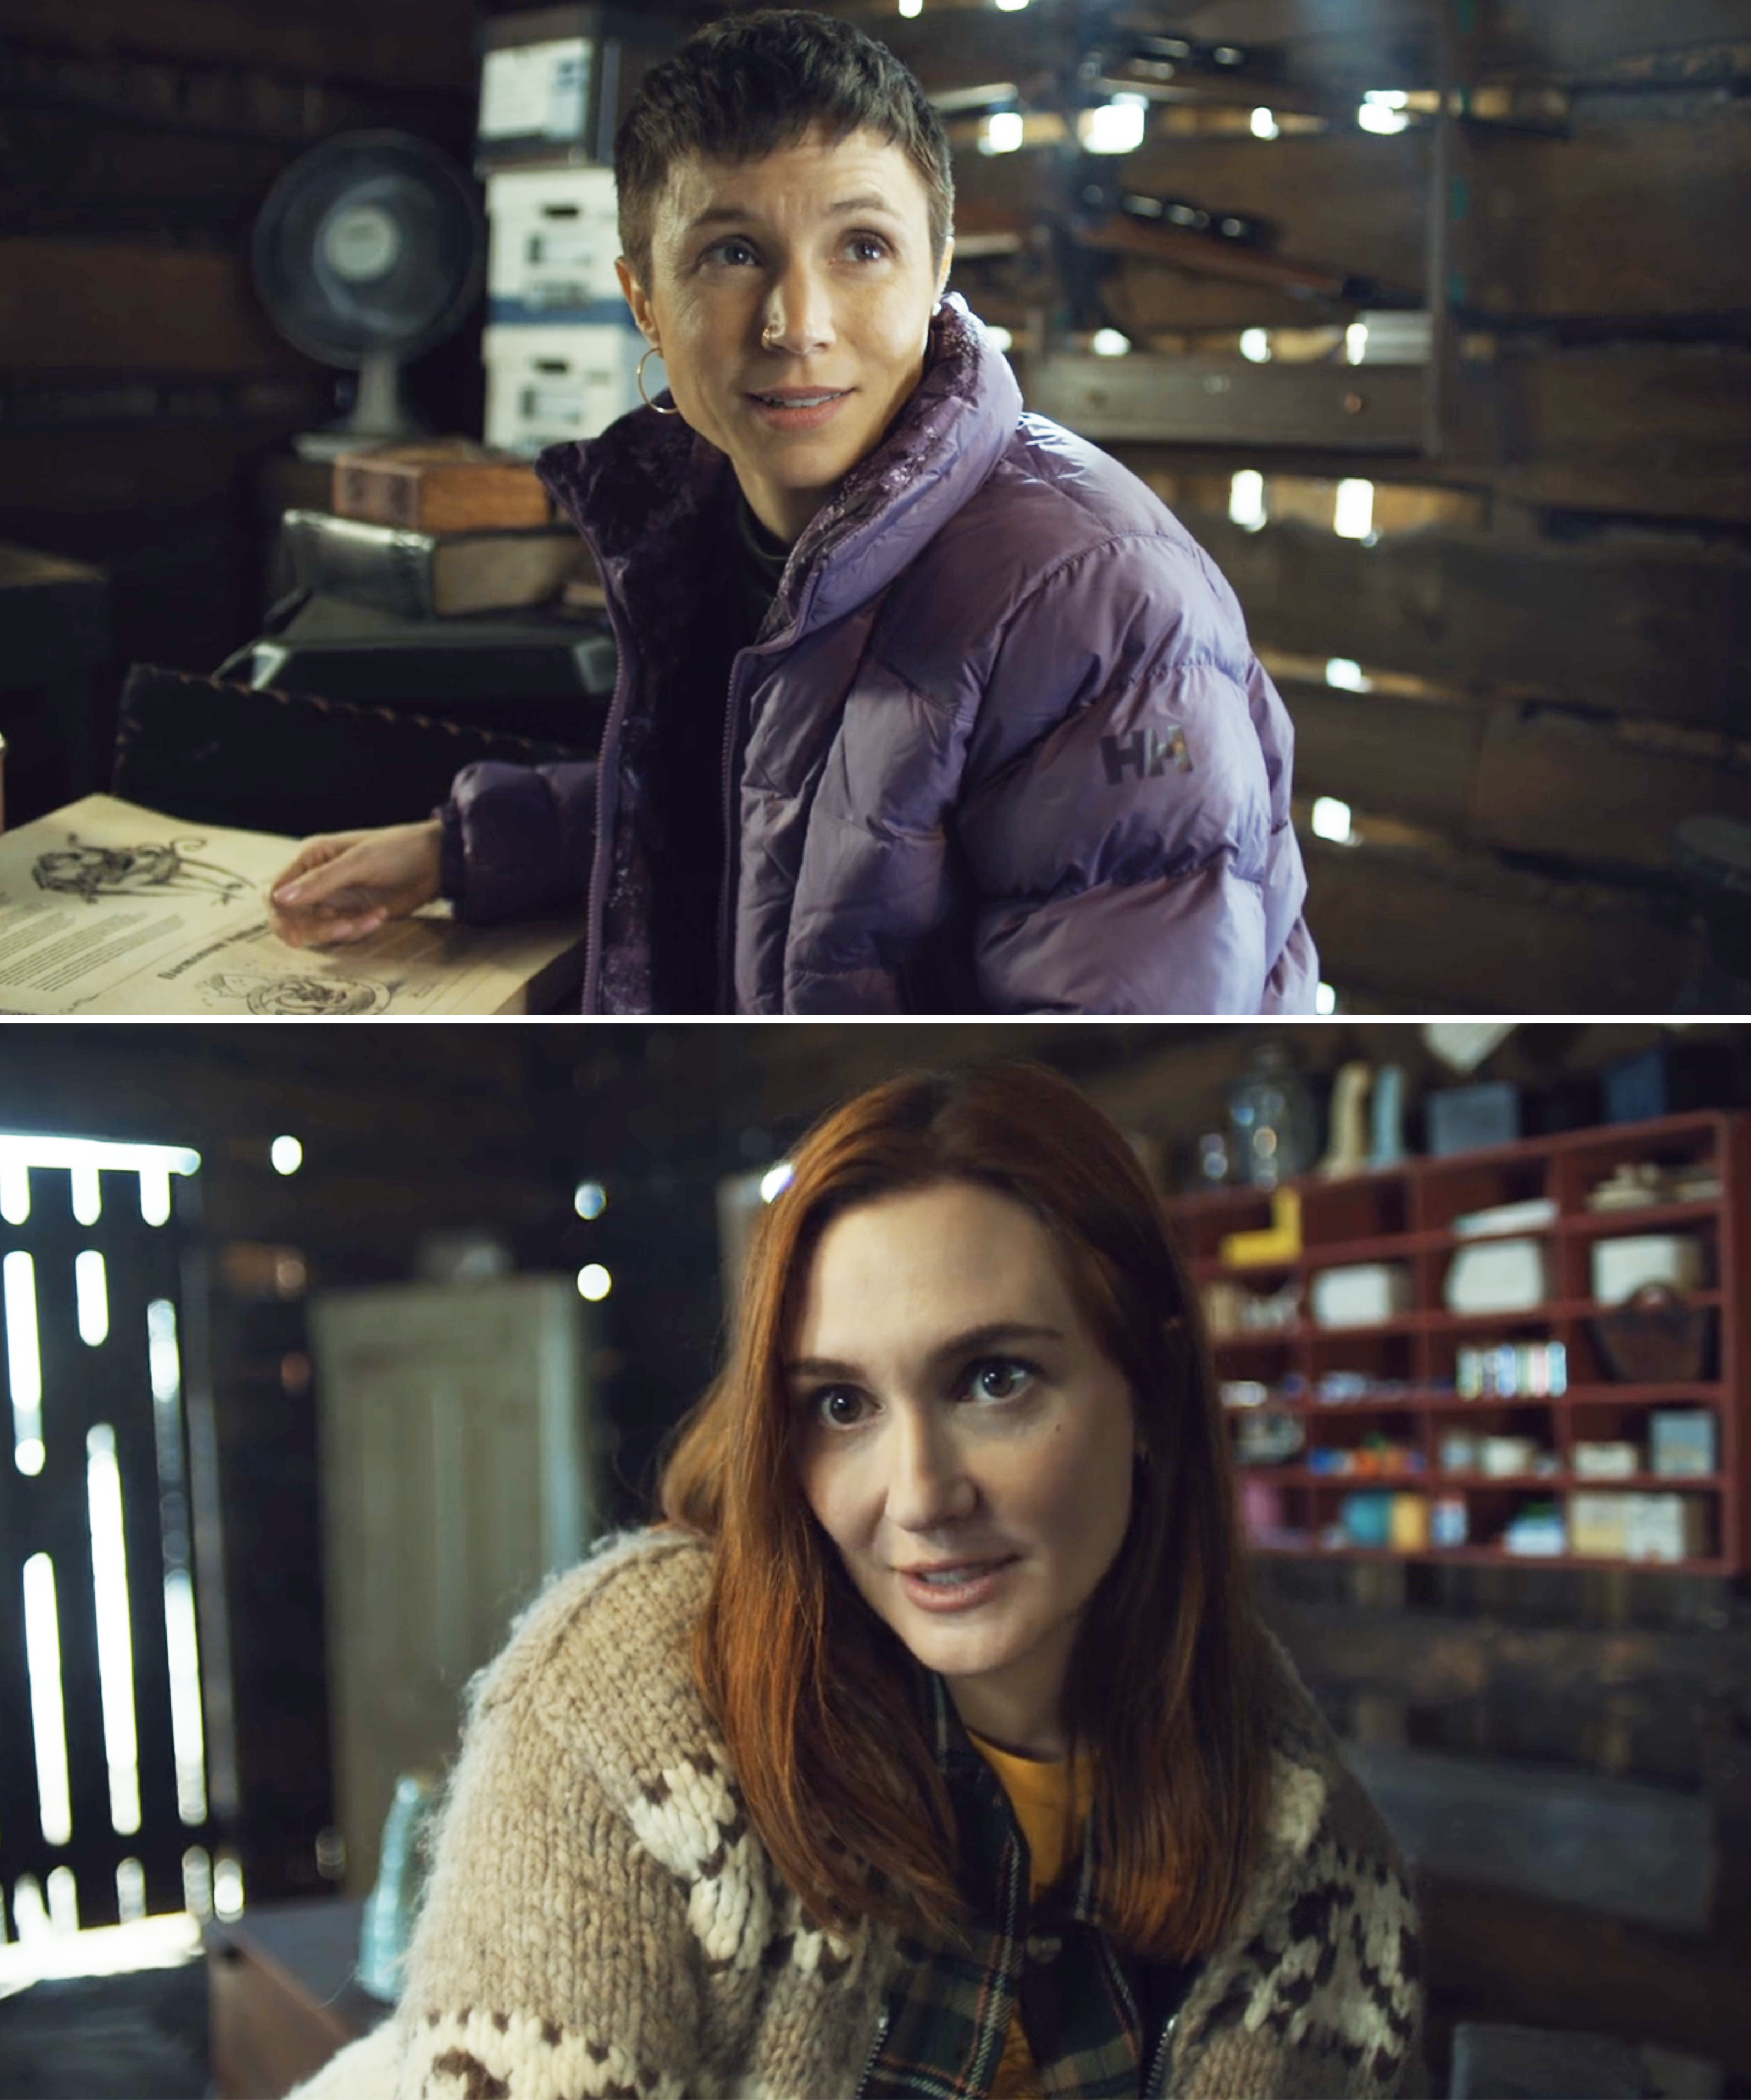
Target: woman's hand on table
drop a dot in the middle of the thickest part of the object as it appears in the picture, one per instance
(346, 885)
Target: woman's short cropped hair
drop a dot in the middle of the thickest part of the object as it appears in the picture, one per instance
(817, 1699)
(752, 85)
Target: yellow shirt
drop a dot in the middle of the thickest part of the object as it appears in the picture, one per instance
(1051, 1801)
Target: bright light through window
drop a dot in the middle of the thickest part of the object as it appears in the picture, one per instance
(286, 1155)
(228, 1886)
(1346, 675)
(63, 1892)
(1255, 346)
(909, 8)
(589, 1200)
(1355, 343)
(187, 1735)
(1246, 499)
(198, 1881)
(1324, 999)
(1004, 132)
(776, 1180)
(42, 1652)
(83, 1160)
(1353, 517)
(1331, 820)
(1115, 127)
(1108, 342)
(115, 1642)
(91, 1296)
(1265, 125)
(1377, 116)
(593, 1282)
(163, 1361)
(1002, 341)
(23, 1363)
(1010, 6)
(29, 1912)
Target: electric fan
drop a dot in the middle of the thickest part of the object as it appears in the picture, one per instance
(369, 250)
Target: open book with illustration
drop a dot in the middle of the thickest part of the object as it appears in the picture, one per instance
(106, 907)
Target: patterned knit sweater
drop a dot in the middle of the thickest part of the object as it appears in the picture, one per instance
(602, 1923)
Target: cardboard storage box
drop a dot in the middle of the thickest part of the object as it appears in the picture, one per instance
(1668, 1528)
(1599, 1525)
(1622, 1266)
(1361, 1296)
(1682, 1440)
(1498, 1275)
(547, 384)
(555, 81)
(554, 240)
(1606, 1461)
(1470, 1118)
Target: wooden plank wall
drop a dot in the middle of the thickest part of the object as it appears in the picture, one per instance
(140, 383)
(1552, 617)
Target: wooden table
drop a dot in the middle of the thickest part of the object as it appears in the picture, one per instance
(282, 1994)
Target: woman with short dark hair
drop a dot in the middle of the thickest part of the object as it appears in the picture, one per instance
(924, 704)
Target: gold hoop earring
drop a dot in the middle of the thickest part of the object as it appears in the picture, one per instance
(649, 403)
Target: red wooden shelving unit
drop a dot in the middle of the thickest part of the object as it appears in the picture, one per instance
(1404, 1214)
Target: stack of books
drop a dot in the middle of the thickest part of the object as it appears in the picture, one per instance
(437, 530)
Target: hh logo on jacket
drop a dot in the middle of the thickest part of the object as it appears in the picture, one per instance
(1145, 752)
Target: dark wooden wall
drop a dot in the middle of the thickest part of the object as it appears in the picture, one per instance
(1554, 610)
(142, 390)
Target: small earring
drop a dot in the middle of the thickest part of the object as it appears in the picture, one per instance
(644, 397)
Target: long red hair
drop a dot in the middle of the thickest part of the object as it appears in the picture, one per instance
(813, 1695)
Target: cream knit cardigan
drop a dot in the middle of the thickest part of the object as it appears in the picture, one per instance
(601, 1923)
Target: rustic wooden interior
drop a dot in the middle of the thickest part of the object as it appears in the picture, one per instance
(1529, 672)
(1610, 1700)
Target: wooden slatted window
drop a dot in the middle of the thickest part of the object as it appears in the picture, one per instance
(105, 1764)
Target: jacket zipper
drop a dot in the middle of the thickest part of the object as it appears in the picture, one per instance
(727, 880)
(727, 874)
(875, 2050)
(1156, 2086)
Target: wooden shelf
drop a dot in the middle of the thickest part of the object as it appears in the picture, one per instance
(1678, 1393)
(1438, 1482)
(1491, 1556)
(1645, 1217)
(1405, 1246)
(1404, 1214)
(1554, 1312)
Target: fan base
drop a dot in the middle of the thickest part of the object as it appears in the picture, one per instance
(378, 417)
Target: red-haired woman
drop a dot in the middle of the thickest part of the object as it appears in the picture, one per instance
(931, 1747)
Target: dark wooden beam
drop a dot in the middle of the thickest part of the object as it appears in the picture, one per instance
(1453, 931)
(70, 305)
(421, 43)
(1599, 622)
(1495, 1956)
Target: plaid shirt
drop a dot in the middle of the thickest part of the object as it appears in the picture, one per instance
(1094, 2017)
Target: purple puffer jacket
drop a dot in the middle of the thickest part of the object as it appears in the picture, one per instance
(1001, 747)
